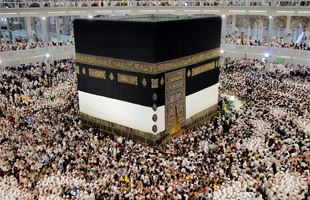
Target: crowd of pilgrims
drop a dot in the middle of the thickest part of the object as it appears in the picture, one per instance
(258, 152)
(32, 45)
(104, 3)
(276, 42)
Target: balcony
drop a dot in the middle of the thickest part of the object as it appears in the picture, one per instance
(36, 55)
(68, 52)
(289, 55)
(20, 8)
(148, 3)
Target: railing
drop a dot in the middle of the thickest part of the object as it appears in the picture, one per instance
(289, 55)
(150, 3)
(67, 52)
(36, 55)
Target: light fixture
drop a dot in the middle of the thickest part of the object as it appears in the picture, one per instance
(304, 12)
(8, 13)
(211, 11)
(90, 16)
(146, 11)
(223, 16)
(44, 18)
(237, 11)
(57, 12)
(47, 55)
(29, 13)
(191, 10)
(257, 11)
(0, 61)
(285, 11)
(103, 11)
(166, 11)
(266, 55)
(221, 51)
(270, 17)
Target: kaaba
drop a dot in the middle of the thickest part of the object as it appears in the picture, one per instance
(147, 77)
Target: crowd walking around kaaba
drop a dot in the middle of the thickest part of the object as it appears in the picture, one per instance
(33, 45)
(258, 152)
(275, 42)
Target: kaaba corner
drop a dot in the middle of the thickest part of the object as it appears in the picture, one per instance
(146, 77)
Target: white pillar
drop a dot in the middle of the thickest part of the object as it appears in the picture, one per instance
(71, 28)
(18, 22)
(4, 37)
(66, 25)
(270, 31)
(223, 34)
(249, 31)
(29, 30)
(57, 25)
(45, 32)
(13, 37)
(9, 31)
(261, 32)
(233, 23)
(288, 32)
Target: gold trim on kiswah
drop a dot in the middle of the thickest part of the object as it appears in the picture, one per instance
(175, 83)
(111, 76)
(162, 81)
(83, 70)
(77, 69)
(96, 73)
(203, 68)
(145, 67)
(154, 83)
(124, 78)
(176, 77)
(144, 82)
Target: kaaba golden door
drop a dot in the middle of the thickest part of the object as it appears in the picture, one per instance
(175, 100)
(176, 125)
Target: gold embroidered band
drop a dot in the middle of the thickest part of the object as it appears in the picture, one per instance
(144, 67)
(97, 73)
(203, 68)
(124, 78)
